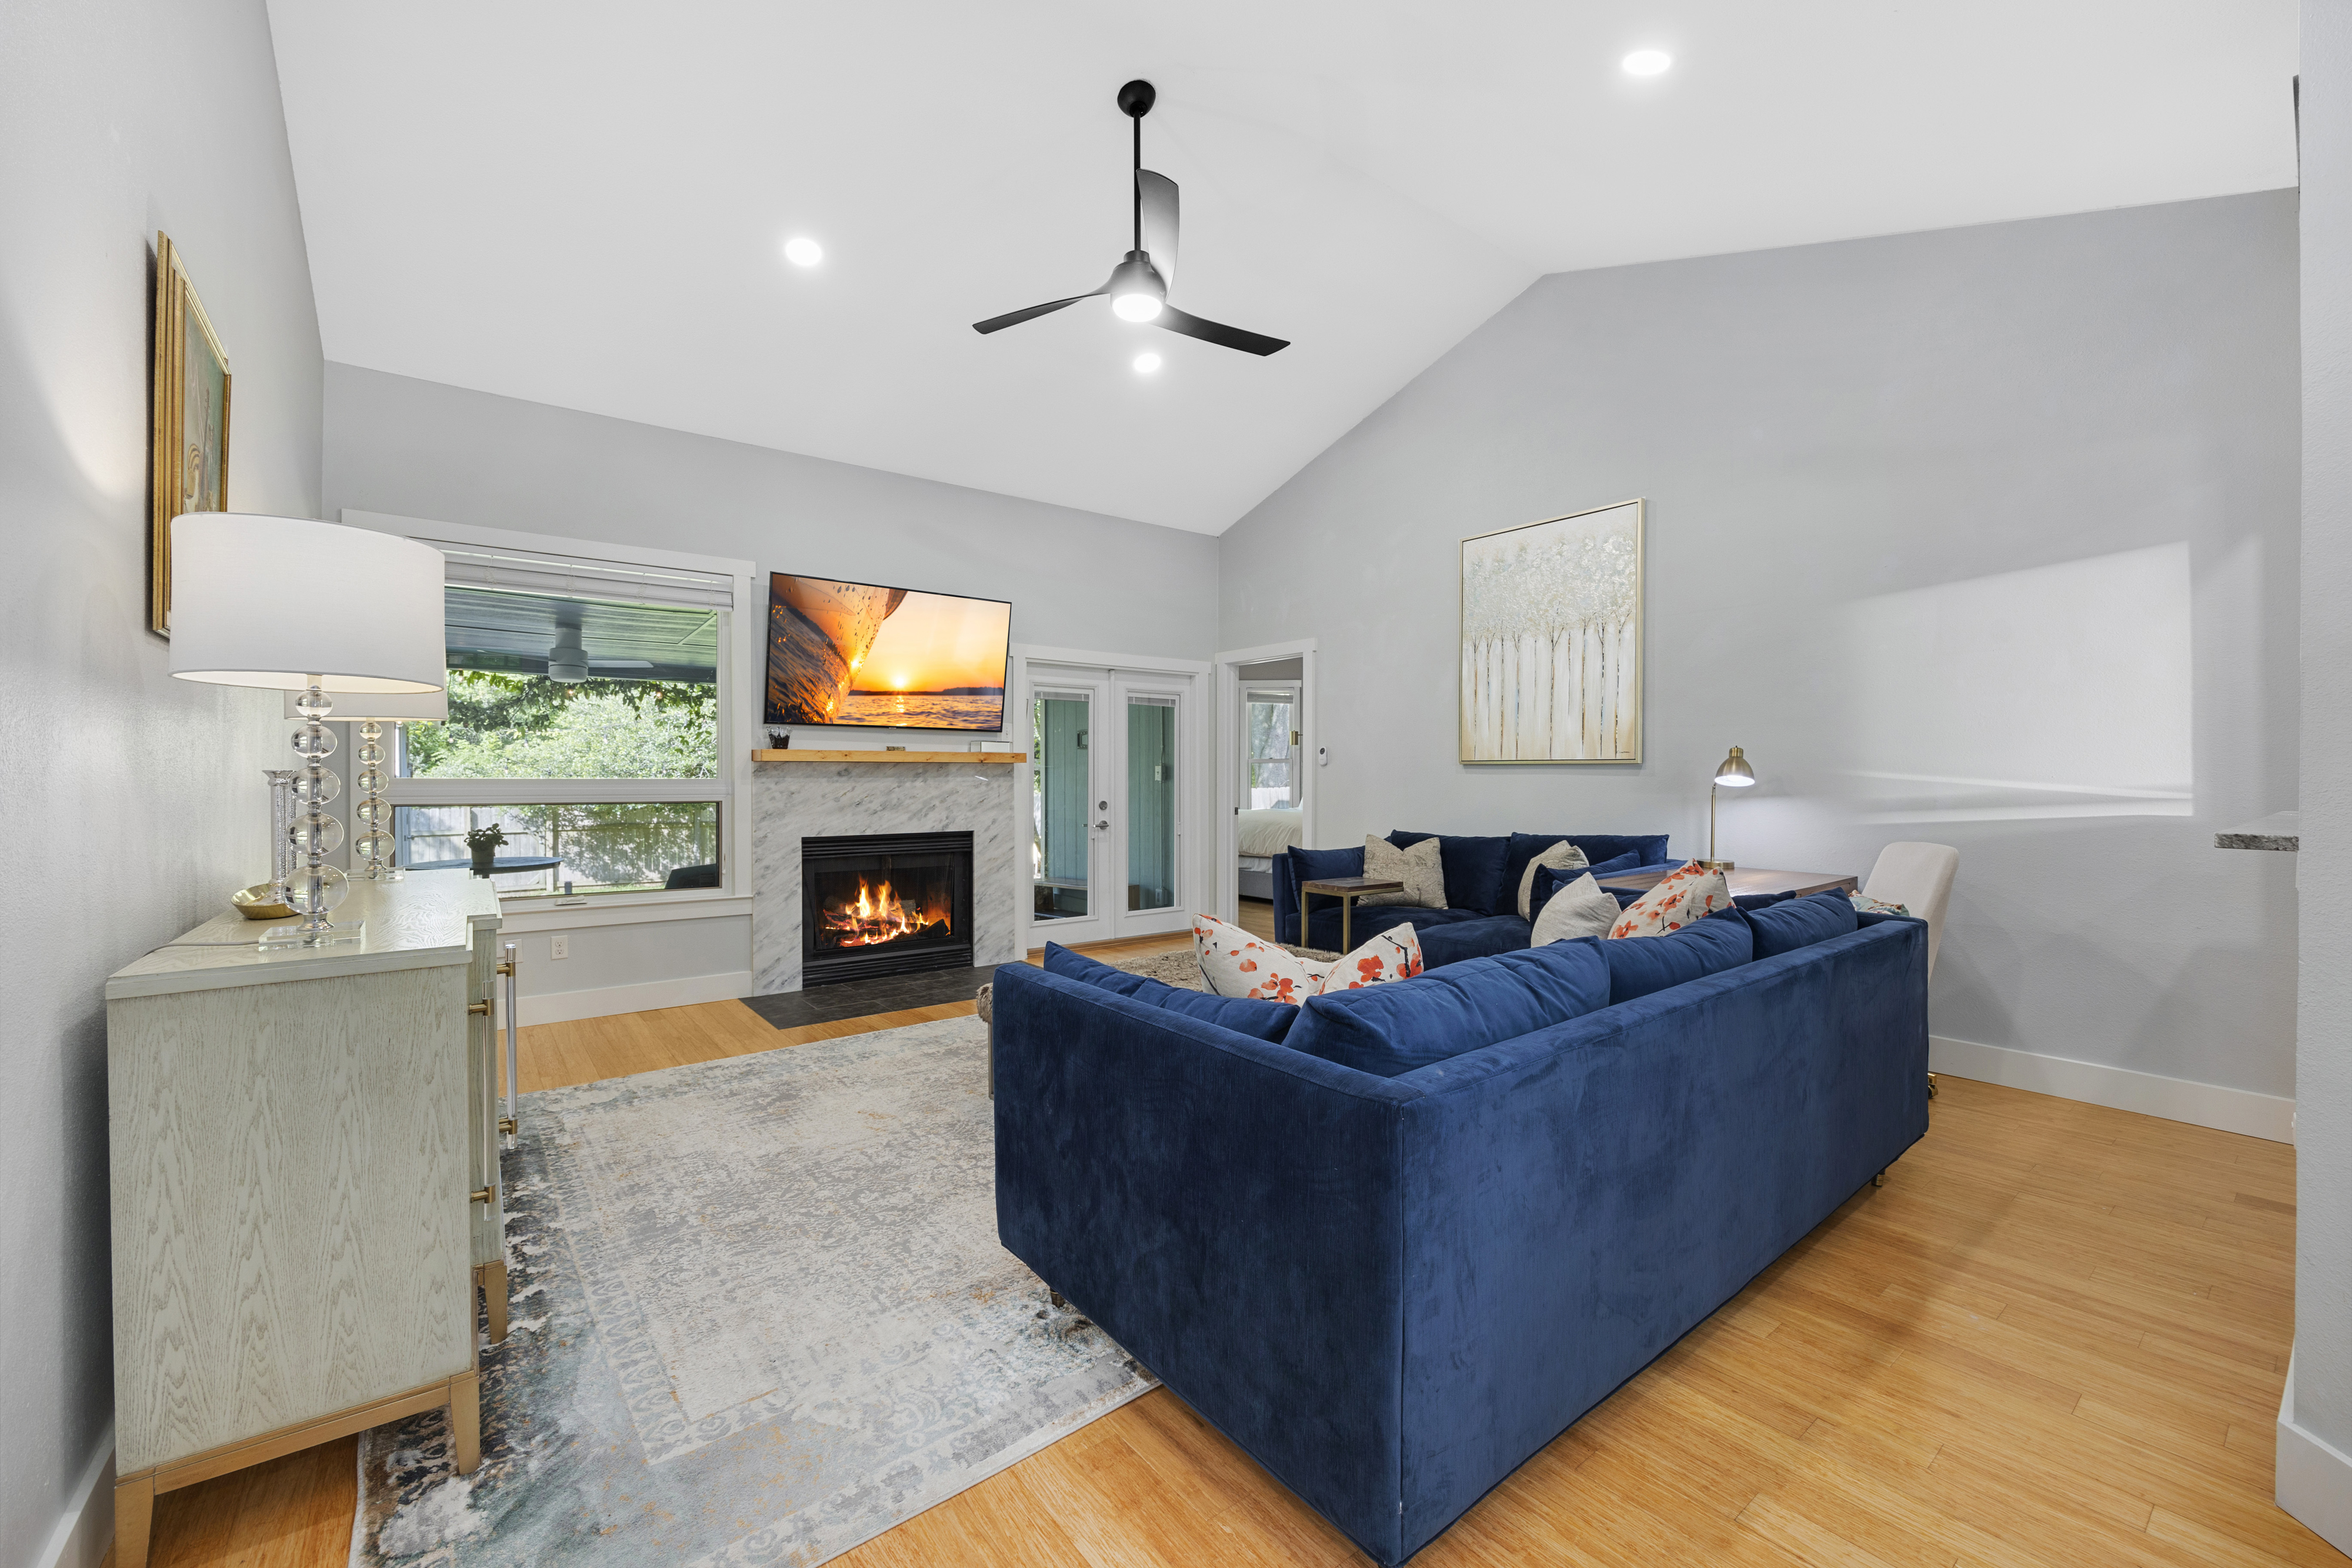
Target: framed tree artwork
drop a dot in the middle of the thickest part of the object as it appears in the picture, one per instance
(191, 453)
(1552, 640)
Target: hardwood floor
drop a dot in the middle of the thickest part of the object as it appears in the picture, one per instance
(2056, 1336)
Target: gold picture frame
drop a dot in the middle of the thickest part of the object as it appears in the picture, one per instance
(192, 420)
(1552, 640)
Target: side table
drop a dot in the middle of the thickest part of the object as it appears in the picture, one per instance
(1347, 890)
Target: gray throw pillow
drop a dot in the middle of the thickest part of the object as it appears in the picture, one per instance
(1418, 868)
(1561, 856)
(1582, 908)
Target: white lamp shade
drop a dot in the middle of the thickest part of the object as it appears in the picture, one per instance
(272, 601)
(383, 706)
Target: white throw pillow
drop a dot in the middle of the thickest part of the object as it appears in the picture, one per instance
(1682, 897)
(1393, 955)
(1236, 964)
(1582, 908)
(1561, 856)
(1418, 867)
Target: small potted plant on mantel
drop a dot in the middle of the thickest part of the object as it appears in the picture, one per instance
(484, 842)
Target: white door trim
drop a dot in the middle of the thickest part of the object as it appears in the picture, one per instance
(1197, 877)
(1231, 745)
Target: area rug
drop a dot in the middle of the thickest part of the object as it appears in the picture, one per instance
(759, 1315)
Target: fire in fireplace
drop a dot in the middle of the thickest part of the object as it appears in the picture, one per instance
(885, 903)
(878, 914)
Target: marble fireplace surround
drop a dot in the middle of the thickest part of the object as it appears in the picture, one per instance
(796, 801)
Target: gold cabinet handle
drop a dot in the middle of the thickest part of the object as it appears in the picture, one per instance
(483, 1194)
(480, 1008)
(507, 968)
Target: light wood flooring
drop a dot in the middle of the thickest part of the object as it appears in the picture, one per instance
(2055, 1337)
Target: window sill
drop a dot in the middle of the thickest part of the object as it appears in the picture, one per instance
(537, 911)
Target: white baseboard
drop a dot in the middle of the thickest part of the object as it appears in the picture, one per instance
(2268, 1116)
(564, 1007)
(2314, 1477)
(86, 1529)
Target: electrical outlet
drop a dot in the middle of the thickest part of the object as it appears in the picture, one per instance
(559, 946)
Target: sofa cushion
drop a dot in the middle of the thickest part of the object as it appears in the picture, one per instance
(1474, 871)
(1648, 848)
(1390, 1030)
(1480, 936)
(1265, 1020)
(1323, 925)
(1706, 947)
(1561, 856)
(1570, 904)
(1683, 896)
(1416, 865)
(1797, 923)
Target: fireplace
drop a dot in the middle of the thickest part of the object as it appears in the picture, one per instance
(884, 903)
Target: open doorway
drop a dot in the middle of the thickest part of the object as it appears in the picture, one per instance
(1267, 780)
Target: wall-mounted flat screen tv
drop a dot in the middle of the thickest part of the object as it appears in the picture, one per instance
(884, 658)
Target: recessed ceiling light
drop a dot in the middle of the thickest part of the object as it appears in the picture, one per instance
(1646, 62)
(1145, 363)
(804, 252)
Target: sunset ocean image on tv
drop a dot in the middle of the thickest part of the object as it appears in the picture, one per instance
(884, 658)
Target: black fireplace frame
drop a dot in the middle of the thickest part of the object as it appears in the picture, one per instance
(833, 965)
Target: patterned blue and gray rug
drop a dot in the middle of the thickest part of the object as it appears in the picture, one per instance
(760, 1316)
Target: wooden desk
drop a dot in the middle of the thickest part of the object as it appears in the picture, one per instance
(1742, 880)
(1347, 890)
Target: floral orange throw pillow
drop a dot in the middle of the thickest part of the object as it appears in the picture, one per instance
(1236, 964)
(1687, 894)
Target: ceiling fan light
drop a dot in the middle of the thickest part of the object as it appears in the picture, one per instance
(1136, 307)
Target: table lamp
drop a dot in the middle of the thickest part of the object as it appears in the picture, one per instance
(1732, 773)
(317, 609)
(372, 811)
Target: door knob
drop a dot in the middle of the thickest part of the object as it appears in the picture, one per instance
(1104, 823)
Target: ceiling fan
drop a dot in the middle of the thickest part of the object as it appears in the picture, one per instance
(1139, 284)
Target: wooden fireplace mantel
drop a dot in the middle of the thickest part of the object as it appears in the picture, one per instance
(797, 755)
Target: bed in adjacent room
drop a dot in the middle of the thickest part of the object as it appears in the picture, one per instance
(1263, 834)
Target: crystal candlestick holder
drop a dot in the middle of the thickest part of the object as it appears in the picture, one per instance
(315, 889)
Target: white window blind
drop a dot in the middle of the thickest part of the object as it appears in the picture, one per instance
(483, 565)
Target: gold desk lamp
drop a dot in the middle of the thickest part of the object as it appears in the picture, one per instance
(1732, 773)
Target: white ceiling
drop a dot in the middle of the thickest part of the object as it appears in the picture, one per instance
(583, 203)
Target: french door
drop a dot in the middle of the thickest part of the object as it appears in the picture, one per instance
(1107, 794)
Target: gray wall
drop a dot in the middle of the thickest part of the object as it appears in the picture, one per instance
(2323, 1276)
(1813, 428)
(130, 804)
(421, 449)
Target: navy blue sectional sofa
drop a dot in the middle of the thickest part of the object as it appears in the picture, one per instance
(1392, 1290)
(1482, 890)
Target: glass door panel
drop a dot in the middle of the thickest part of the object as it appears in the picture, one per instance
(1061, 773)
(1150, 801)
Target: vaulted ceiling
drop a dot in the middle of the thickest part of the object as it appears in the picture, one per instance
(583, 203)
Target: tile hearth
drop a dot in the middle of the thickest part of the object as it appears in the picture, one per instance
(836, 800)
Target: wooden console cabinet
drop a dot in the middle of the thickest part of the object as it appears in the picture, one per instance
(305, 1183)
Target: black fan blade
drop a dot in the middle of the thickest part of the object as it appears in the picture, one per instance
(1156, 209)
(1014, 318)
(1225, 337)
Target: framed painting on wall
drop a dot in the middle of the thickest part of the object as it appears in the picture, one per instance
(1552, 640)
(191, 453)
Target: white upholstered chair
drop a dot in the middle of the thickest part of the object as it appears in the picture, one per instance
(1918, 877)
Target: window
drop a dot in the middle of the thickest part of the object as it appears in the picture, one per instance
(1273, 724)
(587, 721)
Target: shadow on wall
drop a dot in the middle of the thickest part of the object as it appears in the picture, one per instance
(2061, 691)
